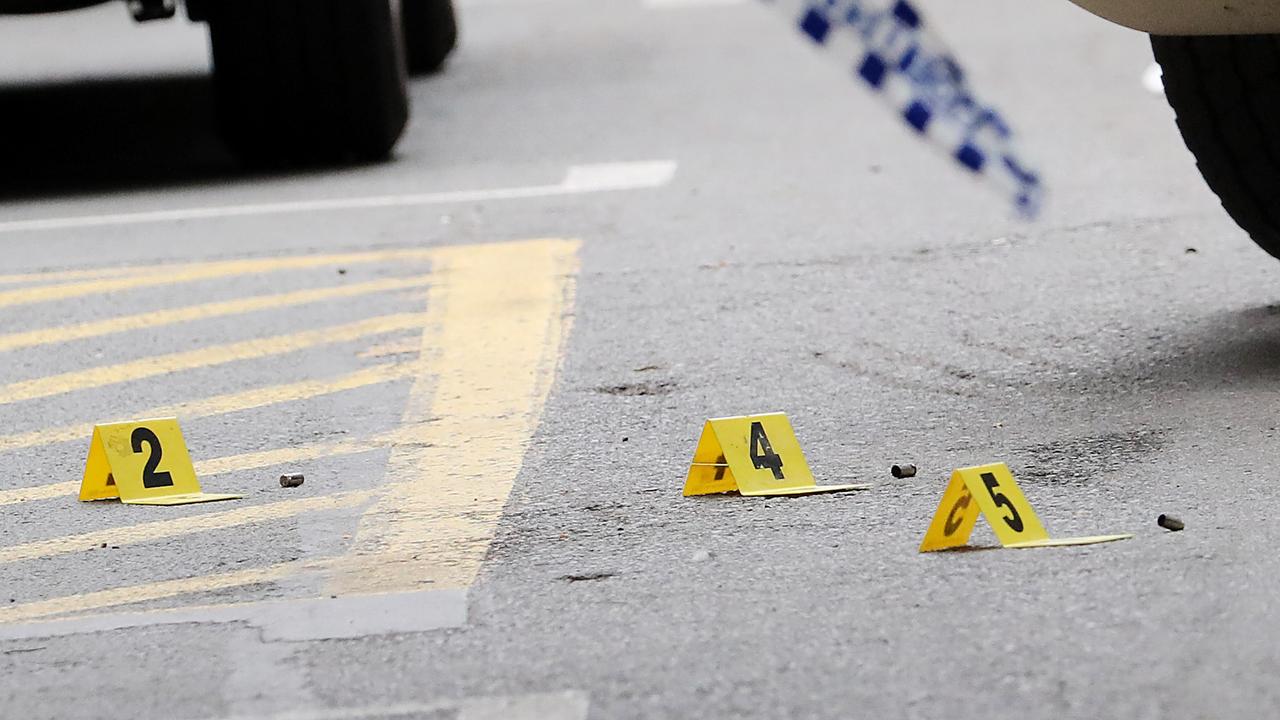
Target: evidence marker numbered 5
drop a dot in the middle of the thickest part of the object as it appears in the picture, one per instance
(142, 463)
(991, 491)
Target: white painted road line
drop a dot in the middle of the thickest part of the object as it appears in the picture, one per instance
(579, 180)
(689, 3)
(282, 620)
(567, 705)
(618, 176)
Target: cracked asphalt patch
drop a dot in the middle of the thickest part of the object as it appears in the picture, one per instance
(638, 389)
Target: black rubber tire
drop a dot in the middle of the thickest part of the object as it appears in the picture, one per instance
(305, 81)
(430, 34)
(1225, 91)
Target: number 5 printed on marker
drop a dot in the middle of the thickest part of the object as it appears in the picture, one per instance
(1015, 521)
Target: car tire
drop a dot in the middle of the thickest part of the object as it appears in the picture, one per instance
(1225, 91)
(303, 81)
(430, 33)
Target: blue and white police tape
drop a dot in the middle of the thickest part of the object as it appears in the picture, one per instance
(913, 70)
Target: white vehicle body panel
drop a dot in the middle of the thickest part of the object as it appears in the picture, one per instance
(1190, 17)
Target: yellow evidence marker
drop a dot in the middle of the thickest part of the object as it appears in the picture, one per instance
(754, 455)
(142, 463)
(990, 490)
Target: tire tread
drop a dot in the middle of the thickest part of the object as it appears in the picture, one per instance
(301, 81)
(1222, 89)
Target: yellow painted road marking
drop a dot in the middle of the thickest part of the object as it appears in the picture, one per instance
(497, 318)
(404, 346)
(143, 593)
(64, 275)
(161, 529)
(495, 327)
(227, 403)
(281, 456)
(160, 275)
(203, 357)
(158, 318)
(66, 489)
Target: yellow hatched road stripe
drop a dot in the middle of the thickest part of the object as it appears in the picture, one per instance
(281, 456)
(66, 489)
(39, 492)
(161, 529)
(160, 275)
(116, 597)
(223, 404)
(159, 318)
(203, 357)
(63, 275)
(495, 328)
(497, 319)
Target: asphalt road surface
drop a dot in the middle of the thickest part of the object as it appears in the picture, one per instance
(492, 358)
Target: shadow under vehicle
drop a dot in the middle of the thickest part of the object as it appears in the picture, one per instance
(306, 81)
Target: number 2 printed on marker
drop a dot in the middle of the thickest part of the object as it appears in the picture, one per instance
(150, 478)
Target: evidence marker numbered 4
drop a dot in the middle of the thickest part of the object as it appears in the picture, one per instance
(142, 463)
(991, 491)
(752, 455)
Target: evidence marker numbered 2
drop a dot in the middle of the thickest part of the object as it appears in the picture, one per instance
(142, 463)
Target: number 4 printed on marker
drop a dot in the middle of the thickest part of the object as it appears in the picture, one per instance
(753, 455)
(762, 454)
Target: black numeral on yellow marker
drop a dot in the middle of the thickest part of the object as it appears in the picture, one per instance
(954, 521)
(721, 466)
(762, 454)
(1015, 521)
(150, 478)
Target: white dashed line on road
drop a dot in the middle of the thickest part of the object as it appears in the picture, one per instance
(292, 620)
(568, 705)
(690, 3)
(579, 180)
